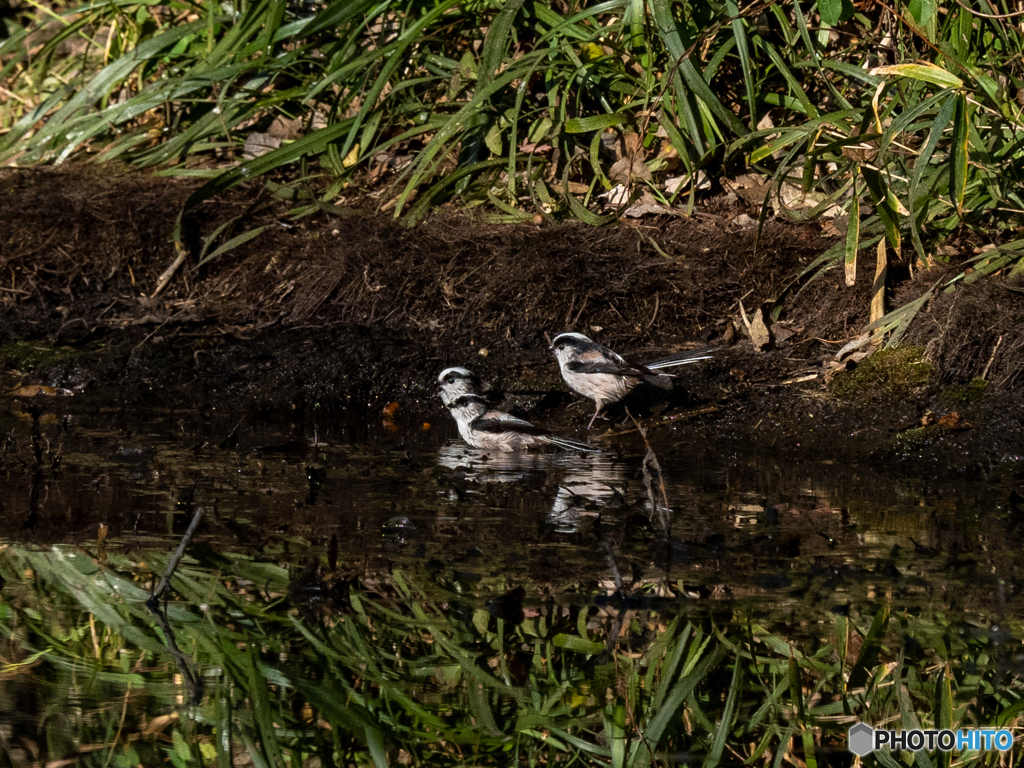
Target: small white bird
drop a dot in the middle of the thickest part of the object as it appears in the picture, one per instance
(606, 377)
(484, 427)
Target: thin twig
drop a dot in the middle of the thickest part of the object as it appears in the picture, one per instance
(193, 682)
(989, 15)
(654, 315)
(120, 725)
(139, 345)
(172, 566)
(165, 278)
(651, 462)
(984, 374)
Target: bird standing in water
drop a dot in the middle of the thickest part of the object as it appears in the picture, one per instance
(482, 426)
(604, 376)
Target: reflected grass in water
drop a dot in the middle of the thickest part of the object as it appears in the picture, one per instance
(310, 667)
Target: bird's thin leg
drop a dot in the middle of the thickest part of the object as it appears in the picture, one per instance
(593, 417)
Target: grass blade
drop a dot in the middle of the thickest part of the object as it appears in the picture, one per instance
(860, 671)
(725, 727)
(853, 233)
(233, 243)
(959, 155)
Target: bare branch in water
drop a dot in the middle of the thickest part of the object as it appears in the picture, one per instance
(172, 566)
(190, 676)
(652, 470)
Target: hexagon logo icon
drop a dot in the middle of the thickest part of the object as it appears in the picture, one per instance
(860, 739)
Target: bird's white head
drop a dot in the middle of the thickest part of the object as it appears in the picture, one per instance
(569, 346)
(451, 375)
(465, 407)
(456, 382)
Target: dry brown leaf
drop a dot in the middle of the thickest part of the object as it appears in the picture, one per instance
(629, 168)
(878, 299)
(158, 723)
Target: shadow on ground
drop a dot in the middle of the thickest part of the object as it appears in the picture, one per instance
(351, 310)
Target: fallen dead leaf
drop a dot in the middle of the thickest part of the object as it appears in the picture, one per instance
(953, 420)
(157, 724)
(258, 144)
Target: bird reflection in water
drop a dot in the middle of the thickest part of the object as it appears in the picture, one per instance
(488, 466)
(588, 491)
(588, 485)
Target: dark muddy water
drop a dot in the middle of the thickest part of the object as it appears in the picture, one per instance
(730, 536)
(729, 521)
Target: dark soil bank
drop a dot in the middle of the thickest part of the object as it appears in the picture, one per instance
(348, 308)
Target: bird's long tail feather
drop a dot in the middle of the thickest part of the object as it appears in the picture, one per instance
(571, 445)
(683, 358)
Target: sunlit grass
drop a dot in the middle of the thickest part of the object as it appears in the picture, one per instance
(905, 116)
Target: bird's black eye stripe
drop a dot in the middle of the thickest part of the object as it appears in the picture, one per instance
(451, 379)
(464, 400)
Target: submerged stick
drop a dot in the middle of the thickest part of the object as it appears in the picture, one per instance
(172, 566)
(193, 683)
(616, 576)
(190, 677)
(616, 623)
(651, 463)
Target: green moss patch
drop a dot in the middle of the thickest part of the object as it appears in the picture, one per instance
(31, 355)
(968, 393)
(888, 374)
(916, 439)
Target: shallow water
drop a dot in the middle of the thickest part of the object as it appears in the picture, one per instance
(735, 521)
(731, 534)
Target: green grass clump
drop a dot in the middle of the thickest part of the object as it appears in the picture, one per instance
(904, 114)
(888, 374)
(429, 670)
(971, 392)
